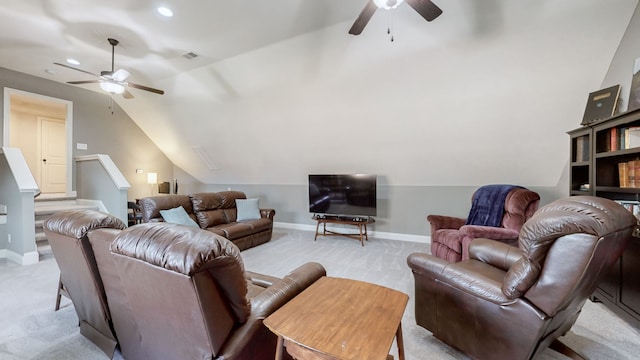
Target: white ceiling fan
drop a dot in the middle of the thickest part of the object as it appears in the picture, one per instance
(112, 81)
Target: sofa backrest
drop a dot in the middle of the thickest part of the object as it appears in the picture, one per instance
(152, 205)
(189, 288)
(519, 206)
(67, 232)
(129, 339)
(215, 208)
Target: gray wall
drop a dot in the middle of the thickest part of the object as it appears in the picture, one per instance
(401, 209)
(105, 133)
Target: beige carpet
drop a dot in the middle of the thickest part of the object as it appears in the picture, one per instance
(30, 329)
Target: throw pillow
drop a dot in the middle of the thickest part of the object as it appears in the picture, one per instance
(178, 216)
(248, 209)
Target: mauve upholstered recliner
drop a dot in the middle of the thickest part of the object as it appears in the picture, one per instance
(509, 302)
(450, 237)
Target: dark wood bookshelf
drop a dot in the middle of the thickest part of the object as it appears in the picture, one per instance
(596, 152)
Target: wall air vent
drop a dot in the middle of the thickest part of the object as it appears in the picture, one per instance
(190, 55)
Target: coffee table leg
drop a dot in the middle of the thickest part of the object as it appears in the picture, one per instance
(279, 348)
(400, 342)
(361, 238)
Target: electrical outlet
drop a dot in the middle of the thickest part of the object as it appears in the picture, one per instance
(9, 238)
(139, 171)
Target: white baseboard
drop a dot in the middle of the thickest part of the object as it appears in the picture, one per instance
(26, 259)
(375, 234)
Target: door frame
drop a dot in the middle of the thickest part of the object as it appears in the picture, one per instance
(68, 125)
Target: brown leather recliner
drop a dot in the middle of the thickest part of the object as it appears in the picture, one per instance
(510, 302)
(79, 272)
(450, 237)
(114, 311)
(191, 297)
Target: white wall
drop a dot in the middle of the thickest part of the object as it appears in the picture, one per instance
(481, 95)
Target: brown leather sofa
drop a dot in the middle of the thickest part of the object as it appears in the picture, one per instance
(450, 237)
(177, 292)
(215, 212)
(510, 302)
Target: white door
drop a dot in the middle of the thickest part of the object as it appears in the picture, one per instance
(53, 155)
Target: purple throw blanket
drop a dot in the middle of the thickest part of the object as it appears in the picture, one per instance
(487, 207)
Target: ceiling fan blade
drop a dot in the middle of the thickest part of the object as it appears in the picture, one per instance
(363, 18)
(428, 10)
(76, 69)
(120, 75)
(127, 94)
(142, 87)
(83, 82)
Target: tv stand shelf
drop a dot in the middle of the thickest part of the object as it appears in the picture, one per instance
(360, 222)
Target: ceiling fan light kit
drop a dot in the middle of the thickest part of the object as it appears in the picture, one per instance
(112, 88)
(388, 4)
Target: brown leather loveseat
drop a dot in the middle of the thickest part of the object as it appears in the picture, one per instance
(216, 212)
(172, 291)
(510, 302)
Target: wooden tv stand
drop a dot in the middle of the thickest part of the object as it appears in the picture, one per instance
(360, 222)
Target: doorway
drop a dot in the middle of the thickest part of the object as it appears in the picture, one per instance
(41, 127)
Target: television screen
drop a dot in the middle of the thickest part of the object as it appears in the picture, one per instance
(343, 194)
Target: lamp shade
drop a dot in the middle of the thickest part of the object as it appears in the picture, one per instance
(152, 178)
(388, 4)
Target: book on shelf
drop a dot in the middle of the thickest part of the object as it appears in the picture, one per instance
(582, 149)
(623, 176)
(613, 139)
(629, 174)
(631, 205)
(632, 137)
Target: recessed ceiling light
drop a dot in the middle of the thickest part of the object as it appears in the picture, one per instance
(49, 71)
(165, 11)
(73, 61)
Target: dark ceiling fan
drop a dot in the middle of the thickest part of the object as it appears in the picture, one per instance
(112, 81)
(425, 8)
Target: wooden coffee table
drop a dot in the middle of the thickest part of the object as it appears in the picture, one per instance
(337, 318)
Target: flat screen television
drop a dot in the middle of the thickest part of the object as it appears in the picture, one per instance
(343, 195)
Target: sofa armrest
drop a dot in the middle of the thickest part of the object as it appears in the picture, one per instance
(494, 253)
(470, 232)
(445, 222)
(268, 213)
(488, 232)
(278, 294)
(260, 279)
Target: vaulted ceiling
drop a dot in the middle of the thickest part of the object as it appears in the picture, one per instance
(279, 89)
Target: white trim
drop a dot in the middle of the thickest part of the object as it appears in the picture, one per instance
(376, 234)
(110, 167)
(20, 169)
(29, 258)
(68, 123)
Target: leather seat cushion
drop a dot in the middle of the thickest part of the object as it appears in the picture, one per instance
(240, 229)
